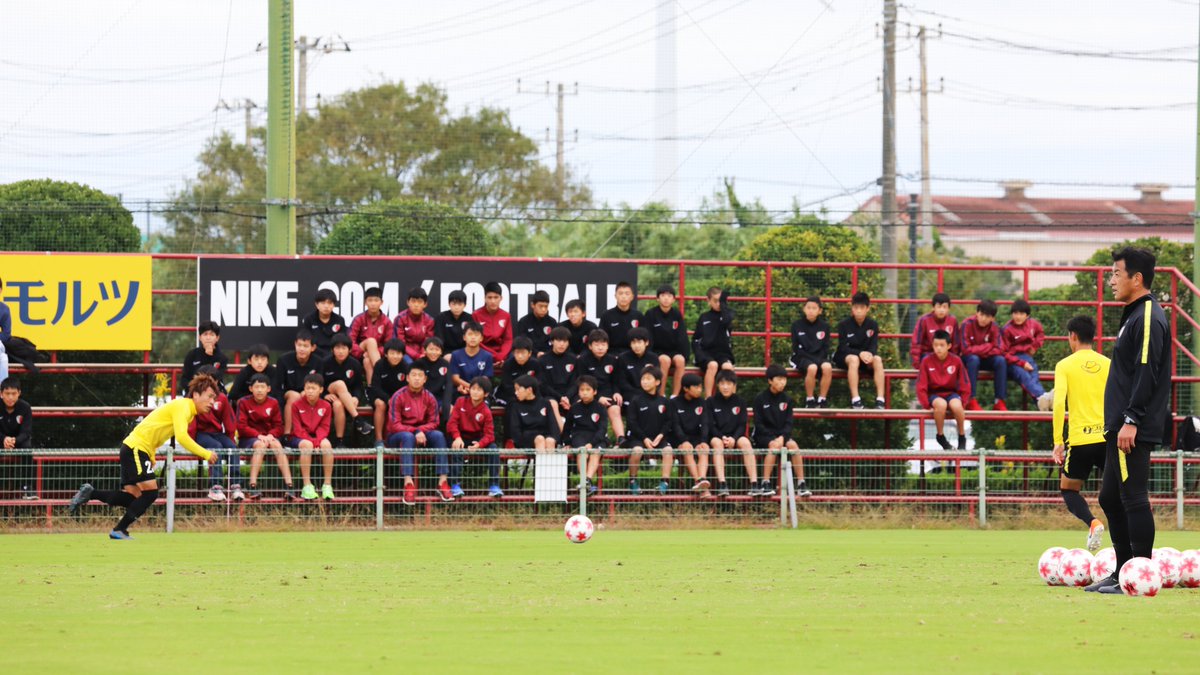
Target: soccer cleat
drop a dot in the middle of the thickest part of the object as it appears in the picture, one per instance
(119, 535)
(1114, 589)
(1000, 406)
(289, 494)
(409, 498)
(81, 497)
(755, 490)
(237, 495)
(857, 404)
(309, 492)
(1045, 402)
(962, 442)
(443, 490)
(634, 488)
(1095, 535)
(972, 405)
(822, 403)
(216, 494)
(327, 492)
(591, 487)
(810, 403)
(1110, 580)
(880, 404)
(255, 493)
(701, 484)
(495, 491)
(944, 442)
(722, 489)
(379, 445)
(27, 494)
(766, 490)
(707, 494)
(802, 489)
(363, 427)
(664, 487)
(457, 491)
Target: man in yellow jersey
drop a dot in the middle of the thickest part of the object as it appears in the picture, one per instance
(139, 488)
(1079, 387)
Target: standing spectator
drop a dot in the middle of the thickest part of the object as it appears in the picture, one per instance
(1137, 409)
(981, 346)
(649, 429)
(712, 341)
(1023, 337)
(292, 372)
(668, 338)
(495, 322)
(207, 354)
(450, 324)
(537, 324)
(309, 430)
(579, 326)
(938, 319)
(413, 422)
(690, 432)
(323, 322)
(260, 428)
(214, 430)
(773, 424)
(345, 389)
(258, 362)
(369, 331)
(618, 321)
(810, 352)
(858, 350)
(414, 325)
(471, 361)
(585, 427)
(727, 414)
(520, 362)
(390, 376)
(942, 384)
(471, 428)
(16, 430)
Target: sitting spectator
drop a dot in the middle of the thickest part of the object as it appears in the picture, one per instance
(531, 424)
(942, 384)
(471, 428)
(558, 371)
(214, 430)
(1023, 337)
(858, 350)
(810, 352)
(649, 429)
(292, 371)
(586, 427)
(436, 371)
(690, 432)
(578, 325)
(449, 325)
(323, 322)
(309, 430)
(260, 428)
(414, 325)
(602, 366)
(727, 414)
(981, 346)
(618, 321)
(668, 337)
(773, 423)
(537, 324)
(520, 362)
(633, 363)
(712, 341)
(390, 376)
(258, 360)
(413, 422)
(345, 388)
(369, 331)
(207, 354)
(471, 361)
(16, 429)
(495, 323)
(938, 319)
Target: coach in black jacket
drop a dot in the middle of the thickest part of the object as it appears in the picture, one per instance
(1136, 405)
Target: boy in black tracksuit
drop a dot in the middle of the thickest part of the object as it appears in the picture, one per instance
(727, 413)
(690, 432)
(291, 370)
(557, 371)
(649, 424)
(16, 433)
(585, 425)
(323, 322)
(258, 360)
(531, 423)
(858, 350)
(618, 321)
(437, 372)
(773, 423)
(390, 376)
(207, 354)
(520, 362)
(632, 363)
(810, 352)
(450, 324)
(537, 324)
(345, 389)
(668, 338)
(598, 363)
(579, 326)
(712, 341)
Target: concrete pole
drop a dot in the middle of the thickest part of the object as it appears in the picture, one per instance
(926, 194)
(281, 132)
(887, 213)
(560, 169)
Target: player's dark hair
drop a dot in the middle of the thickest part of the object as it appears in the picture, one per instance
(1021, 306)
(527, 382)
(666, 288)
(315, 378)
(493, 287)
(394, 345)
(1137, 261)
(713, 291)
(690, 380)
(560, 333)
(484, 383)
(1084, 329)
(304, 335)
(206, 326)
(10, 383)
(433, 340)
(986, 307)
(258, 349)
(539, 296)
(373, 292)
(639, 333)
(940, 299)
(941, 335)
(624, 284)
(418, 293)
(589, 381)
(813, 299)
(726, 376)
(340, 339)
(522, 342)
(575, 304)
(457, 296)
(202, 383)
(861, 298)
(207, 369)
(422, 368)
(775, 370)
(323, 295)
(472, 327)
(597, 335)
(655, 371)
(259, 378)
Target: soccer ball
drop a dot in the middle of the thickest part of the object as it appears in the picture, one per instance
(1140, 576)
(1104, 564)
(1048, 565)
(1168, 560)
(1189, 569)
(1075, 568)
(579, 529)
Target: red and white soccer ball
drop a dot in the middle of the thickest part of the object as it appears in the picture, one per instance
(1048, 565)
(1104, 564)
(1189, 569)
(579, 529)
(1140, 577)
(1075, 568)
(1168, 560)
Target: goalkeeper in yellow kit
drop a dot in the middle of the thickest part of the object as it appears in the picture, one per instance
(139, 487)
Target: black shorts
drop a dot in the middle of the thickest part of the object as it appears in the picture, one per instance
(761, 441)
(720, 358)
(524, 441)
(136, 466)
(839, 361)
(801, 363)
(1079, 460)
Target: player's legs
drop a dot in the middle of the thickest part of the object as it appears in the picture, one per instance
(678, 366)
(960, 416)
(339, 416)
(306, 449)
(853, 362)
(718, 458)
(379, 416)
(748, 460)
(664, 364)
(371, 356)
(999, 368)
(971, 363)
(289, 397)
(635, 459)
(939, 415)
(1131, 478)
(810, 379)
(797, 460)
(689, 460)
(702, 452)
(826, 378)
(880, 375)
(327, 460)
(710, 375)
(773, 448)
(594, 459)
(615, 421)
(557, 414)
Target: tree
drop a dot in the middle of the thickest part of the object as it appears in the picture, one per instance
(47, 215)
(408, 227)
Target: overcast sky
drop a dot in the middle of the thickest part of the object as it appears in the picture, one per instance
(780, 94)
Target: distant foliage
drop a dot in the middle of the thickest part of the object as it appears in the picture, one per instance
(48, 215)
(408, 227)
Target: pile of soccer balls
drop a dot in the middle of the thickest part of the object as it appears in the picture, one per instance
(1169, 568)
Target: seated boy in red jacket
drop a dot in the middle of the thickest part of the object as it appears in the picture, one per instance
(260, 428)
(214, 430)
(310, 420)
(942, 383)
(471, 427)
(413, 423)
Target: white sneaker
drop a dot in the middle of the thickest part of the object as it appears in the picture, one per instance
(1046, 401)
(238, 495)
(1095, 536)
(216, 494)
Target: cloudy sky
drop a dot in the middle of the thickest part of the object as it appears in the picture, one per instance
(780, 95)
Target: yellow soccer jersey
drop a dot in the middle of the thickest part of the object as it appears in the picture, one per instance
(1079, 386)
(166, 421)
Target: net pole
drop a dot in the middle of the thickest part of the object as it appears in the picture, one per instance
(378, 488)
(170, 488)
(982, 487)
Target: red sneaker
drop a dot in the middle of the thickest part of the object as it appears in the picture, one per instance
(972, 405)
(1000, 406)
(410, 495)
(443, 490)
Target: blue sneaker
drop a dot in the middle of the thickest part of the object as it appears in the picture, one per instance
(634, 488)
(117, 534)
(456, 491)
(495, 491)
(591, 488)
(379, 445)
(663, 487)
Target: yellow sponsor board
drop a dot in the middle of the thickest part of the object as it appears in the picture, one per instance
(74, 302)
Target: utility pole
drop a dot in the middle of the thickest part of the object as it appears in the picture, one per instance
(281, 132)
(910, 314)
(245, 104)
(887, 209)
(560, 162)
(926, 195)
(666, 160)
(302, 47)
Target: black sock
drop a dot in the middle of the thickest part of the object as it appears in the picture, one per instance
(1078, 506)
(113, 497)
(136, 509)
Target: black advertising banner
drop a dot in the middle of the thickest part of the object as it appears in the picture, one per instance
(264, 299)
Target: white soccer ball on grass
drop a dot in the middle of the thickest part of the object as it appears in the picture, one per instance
(1075, 568)
(1168, 560)
(1189, 569)
(1048, 565)
(1104, 564)
(579, 529)
(1140, 577)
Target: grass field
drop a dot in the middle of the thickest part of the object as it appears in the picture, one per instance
(675, 601)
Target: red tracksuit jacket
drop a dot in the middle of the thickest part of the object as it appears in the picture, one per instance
(311, 422)
(412, 412)
(259, 419)
(219, 420)
(976, 340)
(936, 377)
(414, 330)
(471, 422)
(1024, 339)
(364, 327)
(922, 340)
(497, 332)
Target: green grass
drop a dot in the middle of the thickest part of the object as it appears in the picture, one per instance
(643, 601)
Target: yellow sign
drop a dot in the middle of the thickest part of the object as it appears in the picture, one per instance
(78, 302)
